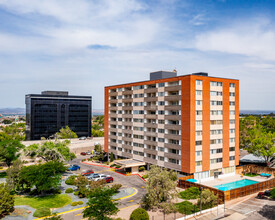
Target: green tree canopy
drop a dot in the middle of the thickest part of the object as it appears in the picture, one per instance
(6, 200)
(263, 145)
(14, 180)
(160, 189)
(66, 133)
(101, 205)
(208, 199)
(50, 151)
(43, 176)
(10, 151)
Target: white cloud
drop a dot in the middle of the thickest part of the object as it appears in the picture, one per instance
(249, 39)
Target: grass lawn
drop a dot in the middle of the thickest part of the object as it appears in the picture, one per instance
(3, 175)
(251, 175)
(52, 201)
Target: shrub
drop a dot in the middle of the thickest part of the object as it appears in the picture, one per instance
(141, 169)
(80, 203)
(190, 193)
(90, 159)
(42, 212)
(70, 180)
(76, 193)
(145, 176)
(113, 165)
(69, 190)
(1, 168)
(187, 207)
(272, 193)
(56, 217)
(139, 214)
(208, 199)
(74, 203)
(83, 160)
(118, 166)
(116, 187)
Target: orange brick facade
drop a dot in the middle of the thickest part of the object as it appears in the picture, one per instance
(188, 119)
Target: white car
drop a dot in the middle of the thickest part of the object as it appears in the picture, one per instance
(93, 176)
(100, 177)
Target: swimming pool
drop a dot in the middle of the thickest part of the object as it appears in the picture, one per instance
(236, 184)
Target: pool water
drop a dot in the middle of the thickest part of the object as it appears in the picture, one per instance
(236, 184)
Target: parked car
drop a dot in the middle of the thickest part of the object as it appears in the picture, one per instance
(88, 153)
(83, 153)
(82, 138)
(93, 176)
(260, 195)
(99, 177)
(74, 167)
(109, 179)
(87, 172)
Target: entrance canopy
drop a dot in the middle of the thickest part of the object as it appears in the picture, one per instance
(129, 163)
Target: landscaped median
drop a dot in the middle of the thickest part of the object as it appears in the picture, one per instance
(51, 201)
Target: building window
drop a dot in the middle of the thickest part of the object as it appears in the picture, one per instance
(161, 93)
(232, 131)
(161, 103)
(231, 103)
(173, 151)
(199, 82)
(216, 151)
(198, 143)
(231, 93)
(232, 149)
(138, 87)
(170, 160)
(232, 158)
(161, 158)
(198, 133)
(161, 112)
(216, 122)
(232, 85)
(232, 121)
(217, 160)
(161, 140)
(199, 153)
(198, 112)
(161, 121)
(161, 84)
(198, 92)
(199, 122)
(232, 112)
(198, 163)
(199, 102)
(232, 140)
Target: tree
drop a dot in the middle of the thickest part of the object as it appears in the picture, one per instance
(97, 133)
(10, 151)
(7, 121)
(65, 133)
(50, 151)
(263, 146)
(6, 200)
(208, 199)
(112, 157)
(101, 205)
(139, 214)
(14, 180)
(13, 132)
(81, 182)
(160, 189)
(44, 177)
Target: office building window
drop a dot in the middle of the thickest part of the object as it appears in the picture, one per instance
(232, 121)
(231, 103)
(232, 112)
(199, 102)
(232, 85)
(198, 122)
(231, 93)
(217, 160)
(216, 151)
(161, 84)
(232, 158)
(232, 131)
(198, 133)
(232, 149)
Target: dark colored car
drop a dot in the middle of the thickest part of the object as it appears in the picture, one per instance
(74, 167)
(83, 153)
(109, 179)
(87, 172)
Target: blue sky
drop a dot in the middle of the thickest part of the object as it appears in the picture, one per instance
(82, 46)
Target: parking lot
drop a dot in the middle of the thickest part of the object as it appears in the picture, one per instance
(126, 181)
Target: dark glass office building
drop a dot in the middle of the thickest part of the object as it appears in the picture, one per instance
(48, 112)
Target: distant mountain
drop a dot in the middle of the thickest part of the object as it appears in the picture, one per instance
(256, 112)
(16, 111)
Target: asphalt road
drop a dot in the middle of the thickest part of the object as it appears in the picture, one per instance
(126, 181)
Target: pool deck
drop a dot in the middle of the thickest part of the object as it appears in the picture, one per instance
(229, 179)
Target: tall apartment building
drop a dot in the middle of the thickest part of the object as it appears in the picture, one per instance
(187, 123)
(48, 112)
